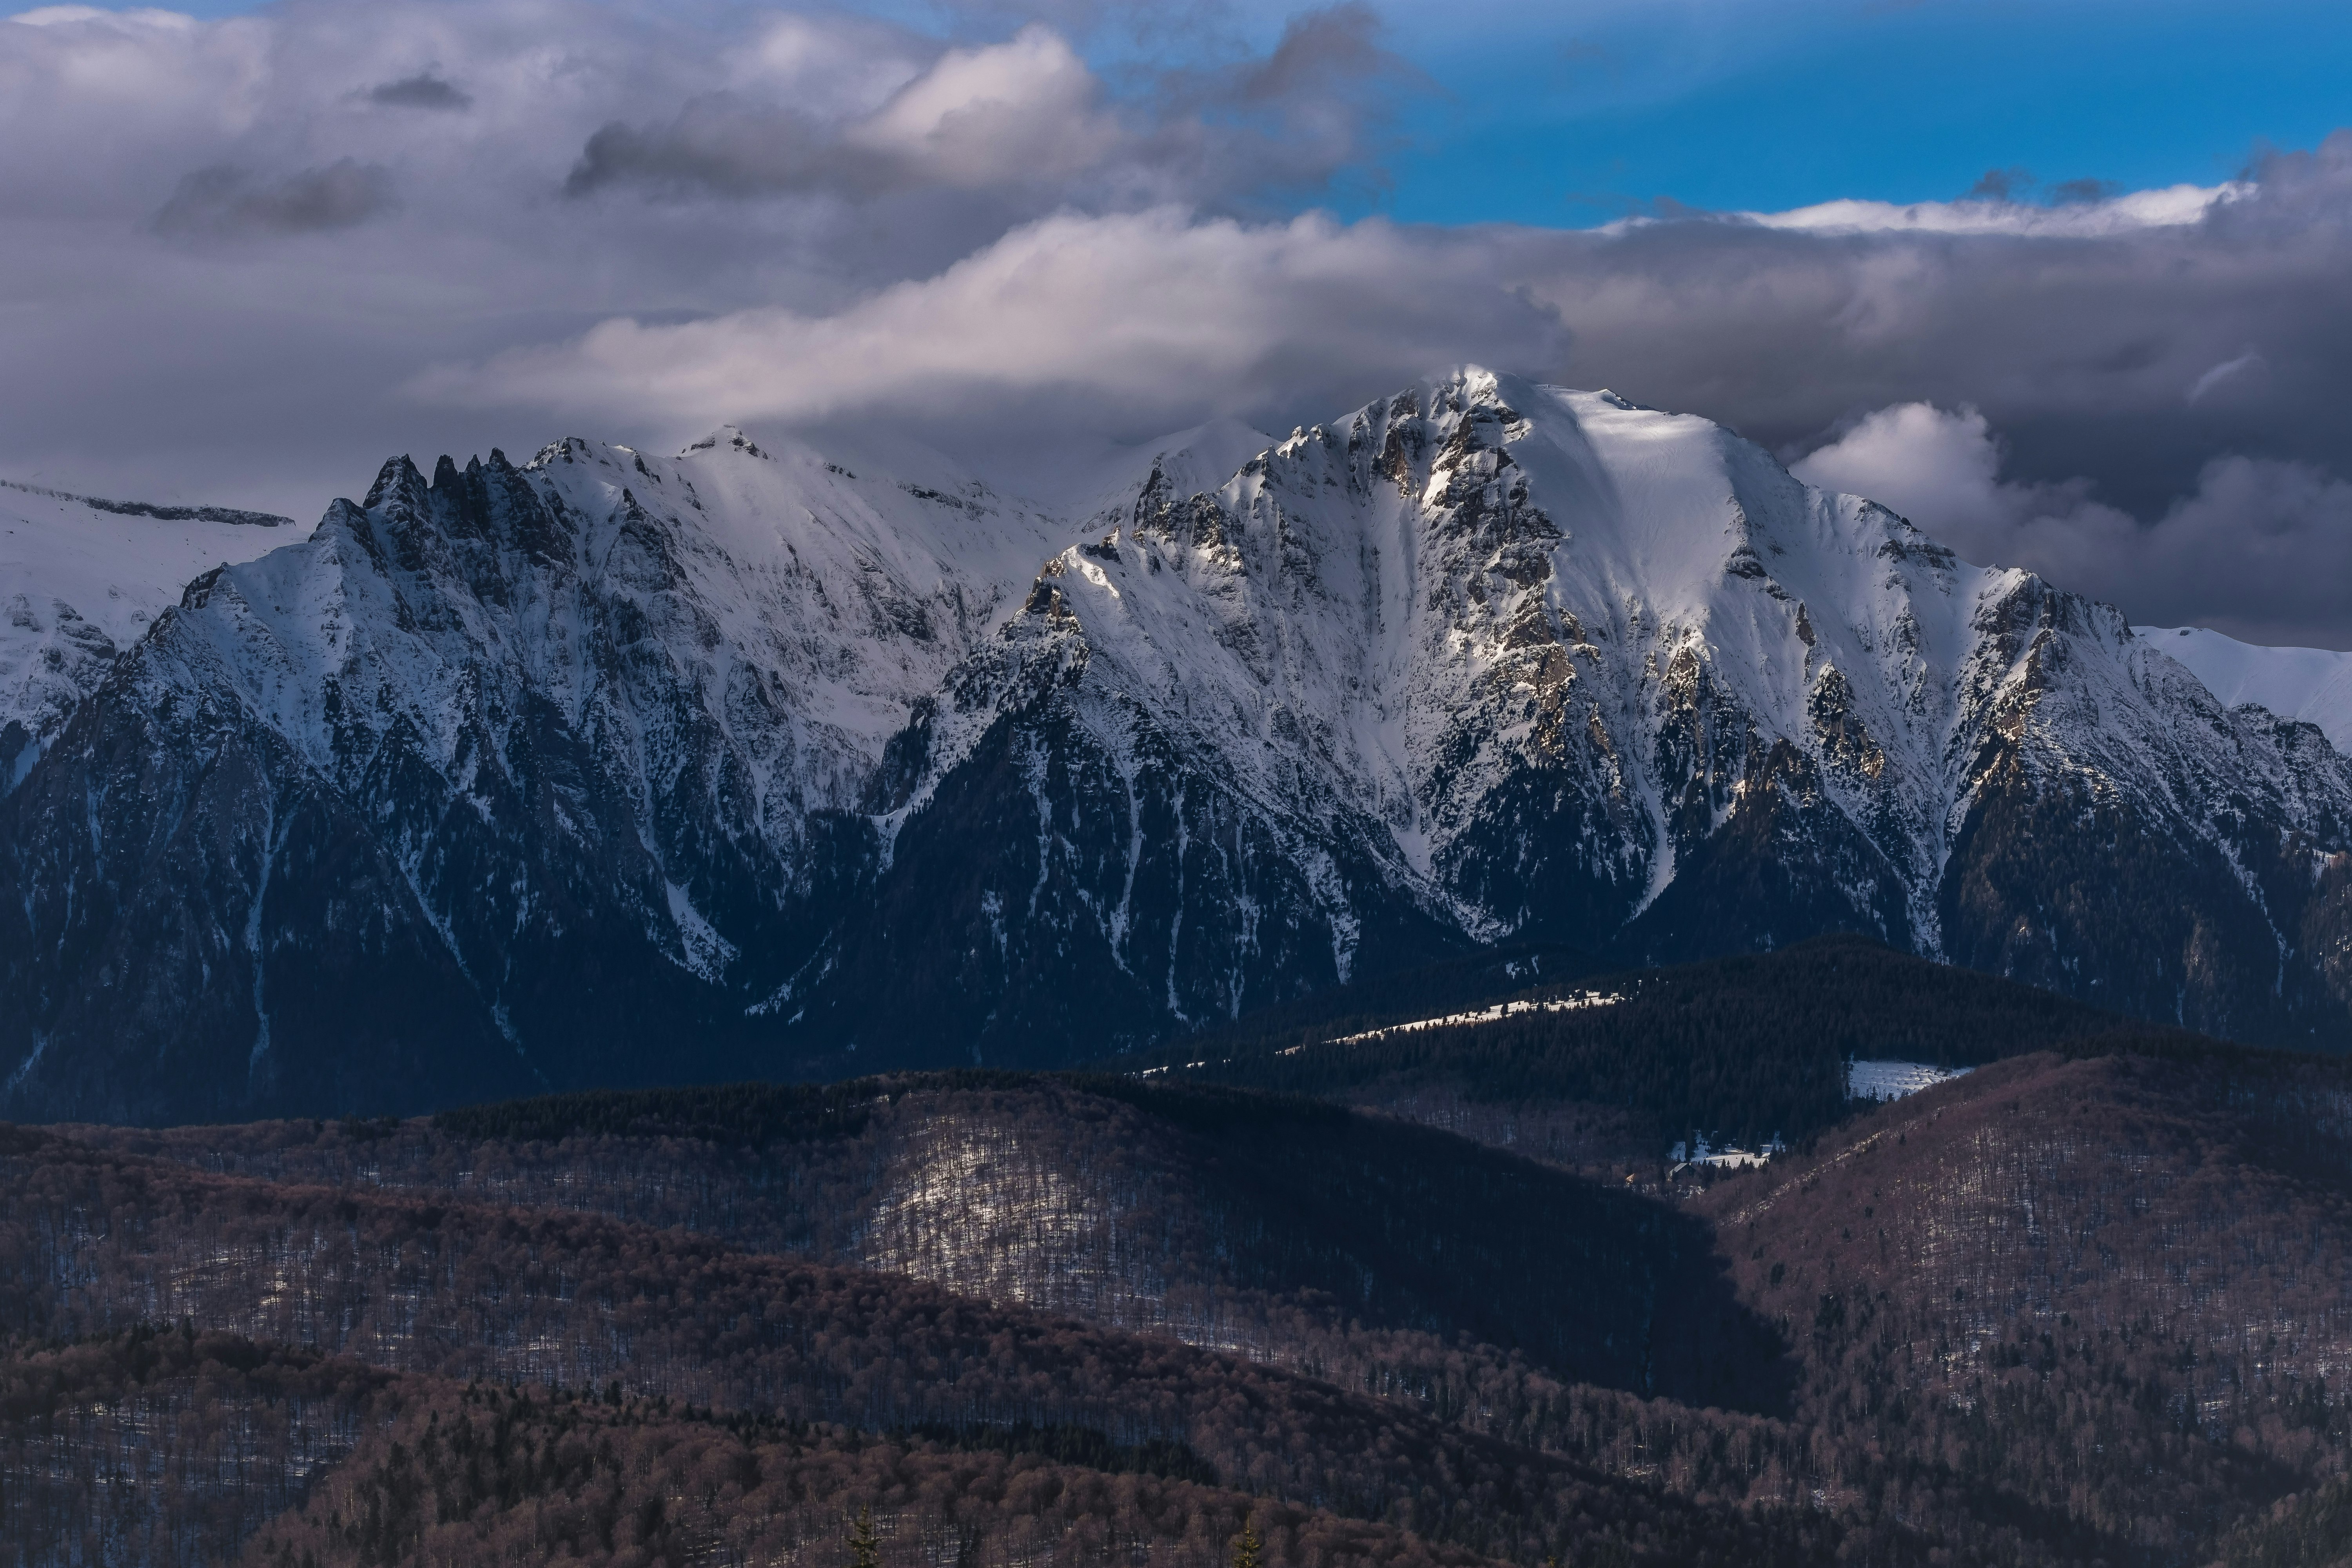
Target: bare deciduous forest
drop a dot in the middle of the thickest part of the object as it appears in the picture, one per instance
(2090, 1304)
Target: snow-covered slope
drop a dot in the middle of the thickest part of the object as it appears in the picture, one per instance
(79, 580)
(2312, 684)
(1182, 463)
(1494, 658)
(544, 768)
(613, 768)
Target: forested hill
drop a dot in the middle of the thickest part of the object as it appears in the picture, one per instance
(2083, 1307)
(1747, 1048)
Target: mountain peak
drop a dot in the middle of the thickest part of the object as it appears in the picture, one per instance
(728, 437)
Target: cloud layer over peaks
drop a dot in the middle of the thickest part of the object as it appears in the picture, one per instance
(1133, 323)
(2260, 548)
(241, 260)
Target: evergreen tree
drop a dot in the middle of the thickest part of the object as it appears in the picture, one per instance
(865, 1546)
(1249, 1552)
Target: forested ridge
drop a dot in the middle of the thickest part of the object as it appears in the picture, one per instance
(2089, 1304)
(1748, 1048)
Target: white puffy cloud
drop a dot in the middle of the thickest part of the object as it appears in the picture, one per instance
(1125, 324)
(1940, 467)
(1023, 109)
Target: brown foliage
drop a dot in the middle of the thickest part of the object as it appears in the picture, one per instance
(2116, 1290)
(492, 1477)
(466, 1290)
(167, 1446)
(2093, 1310)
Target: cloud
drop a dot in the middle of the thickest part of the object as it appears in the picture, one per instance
(1938, 466)
(1135, 321)
(2001, 185)
(223, 200)
(1319, 105)
(2259, 548)
(1025, 110)
(1025, 115)
(2081, 209)
(423, 90)
(1021, 112)
(1010, 240)
(2229, 370)
(2078, 345)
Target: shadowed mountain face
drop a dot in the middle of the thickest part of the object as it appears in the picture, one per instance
(614, 769)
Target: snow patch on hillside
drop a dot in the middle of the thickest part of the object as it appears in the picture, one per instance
(1494, 1015)
(1894, 1079)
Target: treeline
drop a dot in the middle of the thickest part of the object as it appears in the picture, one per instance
(2084, 1307)
(1470, 979)
(2116, 1290)
(2313, 1531)
(1746, 1047)
(746, 1115)
(156, 1445)
(755, 1115)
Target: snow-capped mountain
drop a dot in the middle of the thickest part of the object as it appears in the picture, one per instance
(496, 777)
(1486, 658)
(608, 768)
(2310, 684)
(80, 580)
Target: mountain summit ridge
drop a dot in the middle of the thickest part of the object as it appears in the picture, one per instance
(609, 768)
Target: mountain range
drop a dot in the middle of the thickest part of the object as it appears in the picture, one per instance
(605, 768)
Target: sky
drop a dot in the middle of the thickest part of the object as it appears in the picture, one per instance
(2069, 283)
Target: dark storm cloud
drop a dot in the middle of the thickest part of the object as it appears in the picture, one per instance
(226, 200)
(1319, 52)
(720, 146)
(2157, 415)
(423, 90)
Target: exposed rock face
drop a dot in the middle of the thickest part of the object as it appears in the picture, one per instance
(612, 769)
